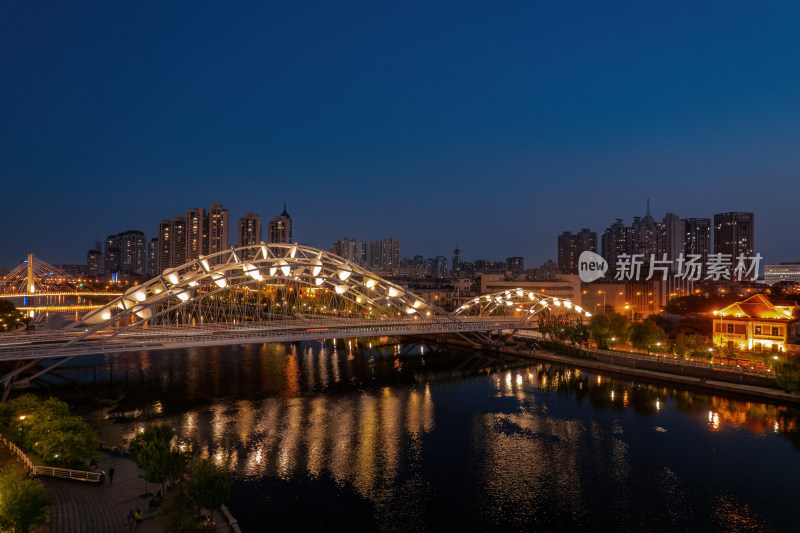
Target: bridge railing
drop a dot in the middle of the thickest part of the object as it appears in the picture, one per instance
(50, 471)
(218, 334)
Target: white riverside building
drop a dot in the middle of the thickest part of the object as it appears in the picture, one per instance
(782, 272)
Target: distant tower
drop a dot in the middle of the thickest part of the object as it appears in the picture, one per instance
(456, 259)
(249, 233)
(279, 228)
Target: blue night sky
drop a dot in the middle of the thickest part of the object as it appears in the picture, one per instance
(494, 124)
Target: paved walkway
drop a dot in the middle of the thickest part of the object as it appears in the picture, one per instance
(88, 508)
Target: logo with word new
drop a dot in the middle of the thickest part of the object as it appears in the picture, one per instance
(591, 266)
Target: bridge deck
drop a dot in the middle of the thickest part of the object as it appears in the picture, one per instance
(18, 347)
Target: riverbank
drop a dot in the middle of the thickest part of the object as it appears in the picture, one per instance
(740, 390)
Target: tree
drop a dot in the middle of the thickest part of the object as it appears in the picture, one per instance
(152, 450)
(608, 329)
(23, 502)
(787, 375)
(67, 439)
(177, 515)
(647, 333)
(208, 486)
(10, 316)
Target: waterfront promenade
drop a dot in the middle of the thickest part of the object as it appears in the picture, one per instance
(85, 508)
(79, 507)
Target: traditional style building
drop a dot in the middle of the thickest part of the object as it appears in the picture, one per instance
(757, 323)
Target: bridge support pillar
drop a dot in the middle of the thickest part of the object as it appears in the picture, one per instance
(31, 286)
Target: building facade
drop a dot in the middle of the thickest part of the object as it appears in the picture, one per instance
(249, 233)
(757, 323)
(94, 263)
(125, 253)
(187, 237)
(571, 246)
(734, 234)
(787, 272)
(697, 237)
(279, 229)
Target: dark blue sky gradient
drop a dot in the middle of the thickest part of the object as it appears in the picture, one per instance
(495, 124)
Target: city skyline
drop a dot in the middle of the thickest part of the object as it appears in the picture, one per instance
(421, 122)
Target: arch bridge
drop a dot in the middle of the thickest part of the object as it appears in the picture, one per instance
(264, 293)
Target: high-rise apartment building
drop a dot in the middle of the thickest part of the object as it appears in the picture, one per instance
(674, 239)
(94, 263)
(615, 243)
(196, 233)
(152, 257)
(697, 237)
(171, 243)
(350, 249)
(279, 228)
(125, 252)
(249, 233)
(571, 246)
(218, 228)
(733, 234)
(517, 264)
(187, 237)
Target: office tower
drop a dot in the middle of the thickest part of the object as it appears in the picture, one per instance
(279, 229)
(733, 234)
(249, 233)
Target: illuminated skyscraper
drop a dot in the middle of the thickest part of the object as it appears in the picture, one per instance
(279, 228)
(249, 232)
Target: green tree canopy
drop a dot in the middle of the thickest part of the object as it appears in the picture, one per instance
(50, 430)
(153, 452)
(608, 329)
(23, 502)
(647, 334)
(208, 486)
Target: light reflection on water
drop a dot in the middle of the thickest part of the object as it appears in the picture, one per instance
(460, 441)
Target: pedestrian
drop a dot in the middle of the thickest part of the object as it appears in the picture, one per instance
(137, 517)
(111, 475)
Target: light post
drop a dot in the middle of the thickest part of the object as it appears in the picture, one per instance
(21, 430)
(604, 300)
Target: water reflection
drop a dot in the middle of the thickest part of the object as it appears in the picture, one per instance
(494, 443)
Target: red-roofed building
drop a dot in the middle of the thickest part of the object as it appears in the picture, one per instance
(757, 323)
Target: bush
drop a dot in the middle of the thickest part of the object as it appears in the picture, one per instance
(23, 502)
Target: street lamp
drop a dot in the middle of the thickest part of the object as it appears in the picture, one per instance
(21, 429)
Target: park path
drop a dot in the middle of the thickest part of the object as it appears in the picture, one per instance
(88, 508)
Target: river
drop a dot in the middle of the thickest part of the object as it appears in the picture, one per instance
(371, 435)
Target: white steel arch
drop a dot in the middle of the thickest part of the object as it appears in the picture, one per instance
(518, 303)
(253, 265)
